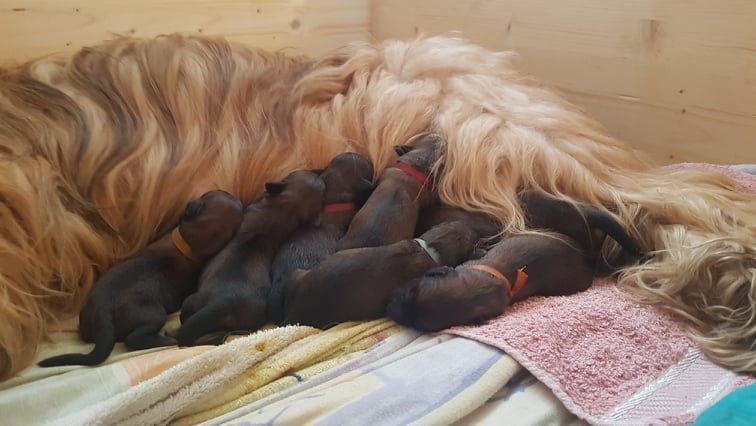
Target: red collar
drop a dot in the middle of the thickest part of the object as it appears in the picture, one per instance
(415, 174)
(338, 207)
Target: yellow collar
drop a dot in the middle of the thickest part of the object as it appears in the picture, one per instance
(181, 245)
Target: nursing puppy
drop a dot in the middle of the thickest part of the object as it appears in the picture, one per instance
(233, 288)
(348, 183)
(584, 223)
(391, 212)
(516, 268)
(355, 284)
(438, 213)
(132, 300)
(545, 265)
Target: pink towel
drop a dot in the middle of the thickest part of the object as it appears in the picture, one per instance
(609, 360)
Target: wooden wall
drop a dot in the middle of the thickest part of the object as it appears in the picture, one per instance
(30, 28)
(676, 78)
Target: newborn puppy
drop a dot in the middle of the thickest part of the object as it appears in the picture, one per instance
(438, 213)
(516, 268)
(233, 288)
(391, 212)
(132, 300)
(348, 181)
(541, 263)
(586, 224)
(355, 284)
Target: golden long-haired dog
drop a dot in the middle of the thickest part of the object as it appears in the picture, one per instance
(99, 152)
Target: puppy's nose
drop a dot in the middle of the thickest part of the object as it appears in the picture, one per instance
(399, 308)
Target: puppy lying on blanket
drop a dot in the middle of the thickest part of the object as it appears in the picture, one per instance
(131, 301)
(233, 288)
(391, 212)
(356, 284)
(516, 268)
(348, 181)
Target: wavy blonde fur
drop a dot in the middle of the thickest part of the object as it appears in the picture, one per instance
(100, 152)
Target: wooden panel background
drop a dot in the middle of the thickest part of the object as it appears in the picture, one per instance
(676, 78)
(30, 28)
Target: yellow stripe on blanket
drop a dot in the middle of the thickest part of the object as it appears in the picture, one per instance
(303, 359)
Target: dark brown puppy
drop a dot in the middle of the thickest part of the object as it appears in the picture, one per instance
(439, 213)
(348, 181)
(584, 223)
(445, 297)
(391, 212)
(516, 268)
(233, 288)
(355, 284)
(132, 300)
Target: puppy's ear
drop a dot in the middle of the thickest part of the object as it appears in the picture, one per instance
(192, 210)
(318, 171)
(363, 190)
(366, 184)
(402, 149)
(274, 188)
(478, 253)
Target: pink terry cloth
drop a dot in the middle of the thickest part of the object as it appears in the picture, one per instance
(609, 360)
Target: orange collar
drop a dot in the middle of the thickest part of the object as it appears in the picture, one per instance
(522, 278)
(181, 245)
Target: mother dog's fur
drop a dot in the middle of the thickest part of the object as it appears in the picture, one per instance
(99, 153)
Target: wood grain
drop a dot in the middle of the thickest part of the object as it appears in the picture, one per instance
(32, 28)
(675, 78)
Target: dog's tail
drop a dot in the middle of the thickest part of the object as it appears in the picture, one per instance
(598, 219)
(105, 340)
(206, 320)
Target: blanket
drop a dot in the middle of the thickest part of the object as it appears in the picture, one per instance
(435, 379)
(161, 384)
(609, 360)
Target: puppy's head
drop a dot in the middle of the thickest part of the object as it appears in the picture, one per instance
(348, 178)
(209, 222)
(422, 152)
(445, 297)
(455, 241)
(301, 190)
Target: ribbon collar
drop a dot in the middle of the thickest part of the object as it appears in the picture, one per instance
(416, 174)
(433, 253)
(181, 245)
(513, 290)
(338, 207)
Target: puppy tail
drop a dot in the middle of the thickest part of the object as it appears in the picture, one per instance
(105, 340)
(607, 223)
(205, 320)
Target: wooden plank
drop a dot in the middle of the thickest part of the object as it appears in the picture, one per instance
(675, 78)
(31, 28)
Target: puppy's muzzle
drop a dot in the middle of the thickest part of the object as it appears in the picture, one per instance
(401, 307)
